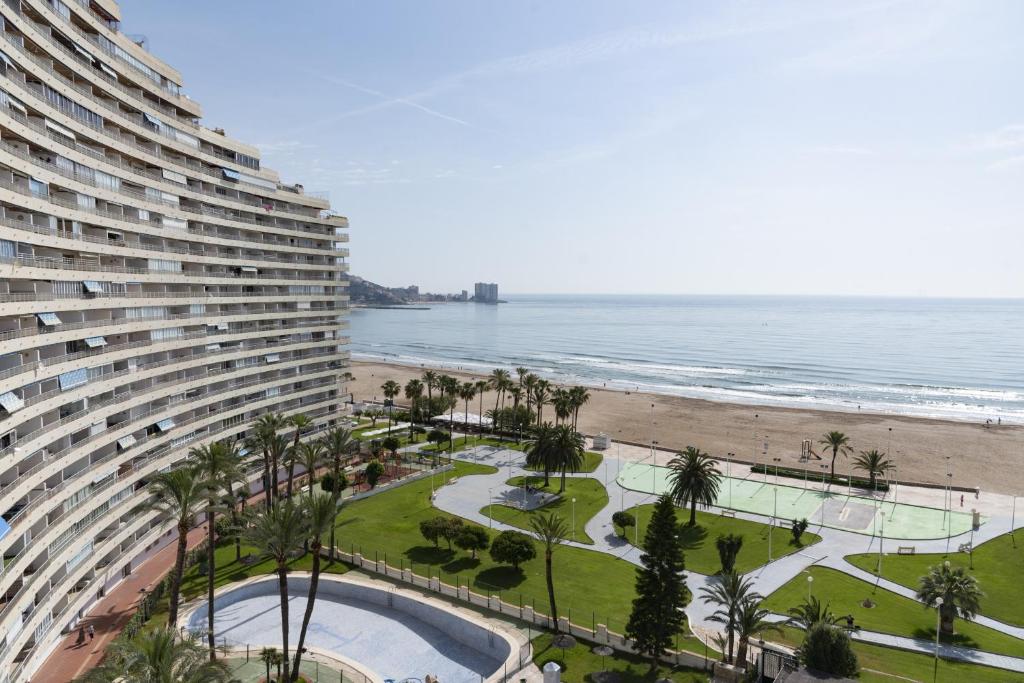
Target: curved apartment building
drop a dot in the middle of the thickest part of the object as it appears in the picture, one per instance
(159, 289)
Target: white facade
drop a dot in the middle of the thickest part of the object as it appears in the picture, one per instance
(159, 289)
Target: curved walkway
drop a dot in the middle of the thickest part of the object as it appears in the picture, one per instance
(468, 495)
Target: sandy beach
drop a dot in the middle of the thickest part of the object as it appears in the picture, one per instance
(989, 457)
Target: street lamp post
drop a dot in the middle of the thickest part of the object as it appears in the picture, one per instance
(938, 626)
(881, 540)
(728, 476)
(771, 528)
(573, 519)
(776, 461)
(810, 580)
(490, 502)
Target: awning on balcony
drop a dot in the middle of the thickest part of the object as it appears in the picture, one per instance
(11, 402)
(92, 286)
(85, 53)
(222, 326)
(126, 442)
(230, 175)
(95, 342)
(248, 269)
(152, 120)
(213, 347)
(75, 378)
(272, 357)
(107, 70)
(104, 474)
(165, 424)
(57, 128)
(48, 319)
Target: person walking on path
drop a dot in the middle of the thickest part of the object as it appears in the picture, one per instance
(92, 632)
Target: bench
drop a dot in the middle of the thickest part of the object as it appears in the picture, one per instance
(906, 550)
(964, 548)
(729, 513)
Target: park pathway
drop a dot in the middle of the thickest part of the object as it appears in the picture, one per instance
(469, 495)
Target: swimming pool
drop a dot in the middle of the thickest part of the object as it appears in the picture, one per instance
(389, 633)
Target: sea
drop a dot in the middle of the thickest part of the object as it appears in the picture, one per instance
(959, 359)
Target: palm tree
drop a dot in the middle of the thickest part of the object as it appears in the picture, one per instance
(811, 612)
(751, 620)
(566, 451)
(339, 443)
(580, 397)
(522, 372)
(694, 479)
(217, 463)
(872, 462)
(299, 421)
(310, 456)
(541, 396)
(264, 431)
(551, 531)
(959, 592)
(563, 408)
(467, 392)
(320, 512)
(839, 443)
(157, 656)
(481, 387)
(529, 383)
(729, 592)
(498, 382)
(278, 532)
(241, 498)
(280, 450)
(413, 394)
(430, 381)
(390, 390)
(538, 451)
(179, 494)
(449, 386)
(270, 656)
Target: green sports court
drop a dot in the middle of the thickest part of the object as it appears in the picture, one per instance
(834, 508)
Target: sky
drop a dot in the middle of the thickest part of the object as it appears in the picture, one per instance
(840, 148)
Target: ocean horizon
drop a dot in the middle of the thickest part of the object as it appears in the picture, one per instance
(942, 358)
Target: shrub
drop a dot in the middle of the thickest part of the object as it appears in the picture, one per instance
(431, 529)
(472, 538)
(327, 482)
(728, 550)
(391, 443)
(623, 520)
(798, 529)
(827, 649)
(513, 547)
(373, 473)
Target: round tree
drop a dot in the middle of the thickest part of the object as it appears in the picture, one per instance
(373, 473)
(472, 538)
(624, 520)
(827, 649)
(513, 547)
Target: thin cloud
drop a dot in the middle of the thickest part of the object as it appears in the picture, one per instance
(388, 101)
(842, 150)
(1007, 137)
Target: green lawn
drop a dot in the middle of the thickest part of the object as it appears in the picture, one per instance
(590, 586)
(997, 566)
(699, 541)
(578, 661)
(880, 664)
(590, 494)
(891, 613)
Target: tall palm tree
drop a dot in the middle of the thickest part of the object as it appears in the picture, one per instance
(811, 612)
(157, 656)
(567, 449)
(959, 592)
(264, 431)
(551, 531)
(280, 449)
(413, 394)
(541, 396)
(750, 621)
(839, 443)
(299, 421)
(481, 387)
(467, 392)
(561, 402)
(538, 451)
(178, 494)
(339, 444)
(728, 593)
(320, 512)
(498, 382)
(873, 462)
(694, 479)
(311, 456)
(521, 373)
(430, 381)
(218, 464)
(278, 532)
(529, 384)
(390, 390)
(579, 397)
(449, 386)
(242, 495)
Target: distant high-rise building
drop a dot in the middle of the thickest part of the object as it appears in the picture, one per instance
(159, 290)
(465, 295)
(485, 292)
